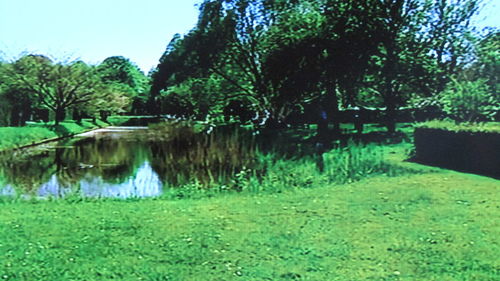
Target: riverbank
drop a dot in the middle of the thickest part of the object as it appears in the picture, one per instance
(434, 226)
(39, 132)
(34, 133)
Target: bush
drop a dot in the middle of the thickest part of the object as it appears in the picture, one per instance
(469, 101)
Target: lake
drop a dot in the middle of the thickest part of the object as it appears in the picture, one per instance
(125, 162)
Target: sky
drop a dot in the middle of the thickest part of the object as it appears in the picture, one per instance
(92, 30)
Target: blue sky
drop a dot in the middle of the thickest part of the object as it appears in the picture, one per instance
(93, 30)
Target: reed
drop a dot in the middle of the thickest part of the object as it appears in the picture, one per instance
(233, 159)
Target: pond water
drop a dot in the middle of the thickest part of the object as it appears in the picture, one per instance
(126, 162)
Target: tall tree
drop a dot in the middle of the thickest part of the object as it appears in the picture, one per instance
(321, 50)
(121, 74)
(425, 42)
(275, 54)
(487, 59)
(228, 41)
(56, 86)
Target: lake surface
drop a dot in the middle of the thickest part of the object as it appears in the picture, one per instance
(125, 162)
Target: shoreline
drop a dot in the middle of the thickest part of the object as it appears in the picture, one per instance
(86, 133)
(44, 141)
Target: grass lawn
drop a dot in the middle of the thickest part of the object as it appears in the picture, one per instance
(13, 137)
(432, 226)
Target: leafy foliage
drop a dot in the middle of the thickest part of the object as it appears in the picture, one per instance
(36, 83)
(275, 57)
(469, 101)
(123, 76)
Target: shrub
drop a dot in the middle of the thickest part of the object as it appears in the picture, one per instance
(469, 101)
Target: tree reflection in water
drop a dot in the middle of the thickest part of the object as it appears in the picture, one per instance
(127, 163)
(182, 155)
(100, 166)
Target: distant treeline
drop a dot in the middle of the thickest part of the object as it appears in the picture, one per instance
(35, 87)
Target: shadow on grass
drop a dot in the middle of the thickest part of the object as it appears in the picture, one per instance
(60, 130)
(300, 143)
(375, 138)
(456, 168)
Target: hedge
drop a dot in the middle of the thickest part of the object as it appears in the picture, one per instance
(464, 150)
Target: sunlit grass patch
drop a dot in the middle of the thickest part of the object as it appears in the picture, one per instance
(33, 132)
(435, 226)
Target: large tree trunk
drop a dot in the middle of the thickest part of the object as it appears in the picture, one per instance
(390, 115)
(322, 121)
(328, 113)
(60, 115)
(14, 117)
(104, 115)
(19, 115)
(77, 116)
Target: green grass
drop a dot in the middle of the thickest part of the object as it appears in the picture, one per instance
(13, 137)
(118, 120)
(18, 136)
(368, 216)
(438, 226)
(493, 127)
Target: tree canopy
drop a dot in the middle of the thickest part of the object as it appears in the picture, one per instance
(34, 82)
(281, 55)
(266, 60)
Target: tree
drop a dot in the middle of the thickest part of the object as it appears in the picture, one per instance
(425, 42)
(469, 101)
(228, 41)
(4, 104)
(16, 105)
(114, 98)
(128, 78)
(275, 54)
(487, 60)
(278, 55)
(321, 50)
(471, 95)
(56, 86)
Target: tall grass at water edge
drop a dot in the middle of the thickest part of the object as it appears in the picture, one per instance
(234, 161)
(186, 154)
(338, 166)
(192, 161)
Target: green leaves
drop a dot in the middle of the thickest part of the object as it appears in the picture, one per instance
(469, 101)
(38, 83)
(283, 54)
(121, 70)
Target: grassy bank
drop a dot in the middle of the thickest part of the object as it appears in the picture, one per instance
(492, 127)
(437, 226)
(13, 137)
(33, 132)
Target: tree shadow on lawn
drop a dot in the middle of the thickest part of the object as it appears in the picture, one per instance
(300, 143)
(457, 167)
(60, 130)
(375, 138)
